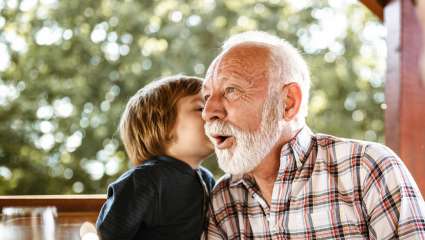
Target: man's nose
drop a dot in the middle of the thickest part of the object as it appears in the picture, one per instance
(213, 109)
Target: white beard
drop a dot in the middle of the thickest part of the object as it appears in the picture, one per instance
(251, 147)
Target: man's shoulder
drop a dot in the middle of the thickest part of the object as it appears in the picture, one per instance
(329, 141)
(338, 148)
(377, 155)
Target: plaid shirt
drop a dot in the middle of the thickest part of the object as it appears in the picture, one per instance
(326, 188)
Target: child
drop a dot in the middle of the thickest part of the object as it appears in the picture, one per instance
(165, 195)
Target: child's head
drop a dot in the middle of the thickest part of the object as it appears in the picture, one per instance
(164, 118)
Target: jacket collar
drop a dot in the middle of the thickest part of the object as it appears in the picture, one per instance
(179, 164)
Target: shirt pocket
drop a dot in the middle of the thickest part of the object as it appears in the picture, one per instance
(320, 219)
(324, 222)
(303, 222)
(342, 215)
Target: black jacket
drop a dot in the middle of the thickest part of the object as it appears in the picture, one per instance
(163, 198)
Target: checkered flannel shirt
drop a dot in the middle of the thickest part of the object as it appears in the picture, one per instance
(326, 188)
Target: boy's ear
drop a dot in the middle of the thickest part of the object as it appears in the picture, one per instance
(292, 97)
(168, 145)
(170, 137)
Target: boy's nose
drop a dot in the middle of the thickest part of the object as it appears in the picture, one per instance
(213, 109)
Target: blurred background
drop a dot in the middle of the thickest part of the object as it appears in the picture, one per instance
(67, 69)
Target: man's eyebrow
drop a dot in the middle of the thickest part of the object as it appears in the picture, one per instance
(224, 79)
(244, 81)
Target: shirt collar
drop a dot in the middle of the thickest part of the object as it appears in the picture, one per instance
(180, 165)
(244, 179)
(299, 147)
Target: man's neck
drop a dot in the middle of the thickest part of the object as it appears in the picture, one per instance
(266, 172)
(269, 167)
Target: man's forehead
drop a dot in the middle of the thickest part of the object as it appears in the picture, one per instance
(244, 70)
(246, 62)
(244, 81)
(215, 78)
(218, 76)
(245, 50)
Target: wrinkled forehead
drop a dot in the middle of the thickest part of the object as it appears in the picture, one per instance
(246, 62)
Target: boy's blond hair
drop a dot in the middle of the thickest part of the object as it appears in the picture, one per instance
(149, 117)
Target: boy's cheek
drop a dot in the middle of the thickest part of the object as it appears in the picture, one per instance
(210, 145)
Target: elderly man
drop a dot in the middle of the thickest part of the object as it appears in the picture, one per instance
(284, 181)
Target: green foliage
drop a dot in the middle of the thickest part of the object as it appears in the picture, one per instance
(67, 69)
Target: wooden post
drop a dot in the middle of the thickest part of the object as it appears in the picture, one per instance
(375, 6)
(404, 91)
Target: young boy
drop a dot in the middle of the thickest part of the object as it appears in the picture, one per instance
(165, 195)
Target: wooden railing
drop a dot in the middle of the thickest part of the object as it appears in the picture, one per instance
(70, 208)
(76, 214)
(63, 203)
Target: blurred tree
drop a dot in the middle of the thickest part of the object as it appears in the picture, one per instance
(67, 69)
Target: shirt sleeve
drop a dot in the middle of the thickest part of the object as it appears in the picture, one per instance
(393, 202)
(129, 206)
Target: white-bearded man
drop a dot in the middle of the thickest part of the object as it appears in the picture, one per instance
(282, 180)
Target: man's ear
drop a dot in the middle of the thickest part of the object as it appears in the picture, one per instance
(292, 100)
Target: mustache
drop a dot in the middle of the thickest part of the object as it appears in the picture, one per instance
(218, 127)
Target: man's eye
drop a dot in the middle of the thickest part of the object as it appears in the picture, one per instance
(230, 90)
(206, 97)
(231, 93)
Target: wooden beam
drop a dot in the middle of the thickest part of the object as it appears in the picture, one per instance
(404, 91)
(376, 6)
(392, 83)
(63, 203)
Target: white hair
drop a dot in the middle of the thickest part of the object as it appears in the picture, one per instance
(292, 66)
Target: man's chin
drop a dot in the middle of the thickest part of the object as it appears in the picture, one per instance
(235, 171)
(228, 164)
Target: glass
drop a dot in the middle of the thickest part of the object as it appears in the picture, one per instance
(22, 223)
